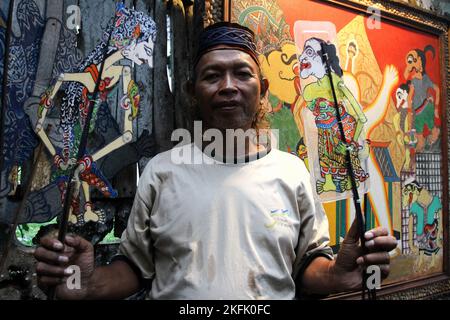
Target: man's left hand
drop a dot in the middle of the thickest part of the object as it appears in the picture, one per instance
(352, 259)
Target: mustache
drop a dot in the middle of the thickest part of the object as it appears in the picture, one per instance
(226, 103)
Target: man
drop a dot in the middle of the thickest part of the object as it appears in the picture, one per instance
(242, 224)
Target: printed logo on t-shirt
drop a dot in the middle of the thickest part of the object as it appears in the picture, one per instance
(279, 217)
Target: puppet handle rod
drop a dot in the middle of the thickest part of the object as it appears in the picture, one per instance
(73, 180)
(356, 199)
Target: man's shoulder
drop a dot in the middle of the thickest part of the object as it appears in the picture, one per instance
(286, 156)
(168, 158)
(289, 160)
(176, 150)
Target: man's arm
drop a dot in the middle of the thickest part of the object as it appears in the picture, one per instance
(115, 281)
(317, 278)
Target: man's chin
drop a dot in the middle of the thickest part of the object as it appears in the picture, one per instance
(224, 123)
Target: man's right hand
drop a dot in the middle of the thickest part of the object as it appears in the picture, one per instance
(54, 260)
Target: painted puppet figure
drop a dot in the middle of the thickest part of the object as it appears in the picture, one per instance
(427, 210)
(132, 38)
(280, 67)
(319, 100)
(402, 120)
(426, 120)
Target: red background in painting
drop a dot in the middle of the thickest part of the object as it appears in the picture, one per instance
(390, 44)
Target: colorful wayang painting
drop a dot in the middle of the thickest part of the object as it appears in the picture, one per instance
(388, 85)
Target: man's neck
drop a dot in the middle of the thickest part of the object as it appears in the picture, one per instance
(234, 145)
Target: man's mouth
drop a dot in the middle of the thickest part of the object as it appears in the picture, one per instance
(226, 105)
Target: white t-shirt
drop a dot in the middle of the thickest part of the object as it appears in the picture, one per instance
(224, 231)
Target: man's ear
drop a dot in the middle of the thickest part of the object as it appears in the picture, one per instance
(264, 86)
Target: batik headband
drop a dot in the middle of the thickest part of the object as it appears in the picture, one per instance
(229, 34)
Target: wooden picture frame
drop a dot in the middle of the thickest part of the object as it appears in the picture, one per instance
(415, 24)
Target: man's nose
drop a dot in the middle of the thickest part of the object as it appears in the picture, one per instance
(228, 84)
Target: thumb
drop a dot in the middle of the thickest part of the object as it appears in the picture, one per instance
(352, 235)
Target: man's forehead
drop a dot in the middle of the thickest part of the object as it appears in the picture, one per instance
(226, 56)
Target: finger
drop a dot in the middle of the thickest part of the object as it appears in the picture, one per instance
(44, 255)
(46, 282)
(377, 232)
(381, 243)
(69, 251)
(78, 243)
(375, 258)
(352, 235)
(51, 244)
(385, 269)
(43, 269)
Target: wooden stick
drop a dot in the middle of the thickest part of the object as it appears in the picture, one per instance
(63, 223)
(356, 199)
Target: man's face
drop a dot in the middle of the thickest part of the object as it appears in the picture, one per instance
(310, 60)
(227, 89)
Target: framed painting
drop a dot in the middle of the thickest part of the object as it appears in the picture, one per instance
(391, 68)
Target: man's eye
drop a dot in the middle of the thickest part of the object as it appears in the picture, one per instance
(244, 74)
(211, 76)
